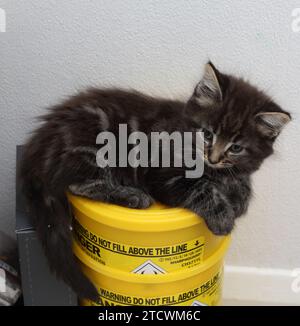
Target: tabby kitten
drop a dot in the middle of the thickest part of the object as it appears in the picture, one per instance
(240, 124)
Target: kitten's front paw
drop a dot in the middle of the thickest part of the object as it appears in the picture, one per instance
(220, 225)
(140, 200)
(132, 198)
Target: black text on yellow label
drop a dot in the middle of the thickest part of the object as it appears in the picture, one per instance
(208, 293)
(143, 260)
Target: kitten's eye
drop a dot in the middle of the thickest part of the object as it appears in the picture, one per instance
(235, 148)
(208, 135)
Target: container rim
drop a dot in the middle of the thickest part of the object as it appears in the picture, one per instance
(157, 218)
(164, 278)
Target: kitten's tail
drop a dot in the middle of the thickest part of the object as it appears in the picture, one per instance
(52, 220)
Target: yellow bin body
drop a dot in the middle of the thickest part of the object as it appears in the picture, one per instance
(152, 257)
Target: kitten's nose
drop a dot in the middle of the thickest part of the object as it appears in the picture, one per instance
(213, 160)
(216, 153)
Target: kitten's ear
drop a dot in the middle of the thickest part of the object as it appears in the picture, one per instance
(271, 123)
(208, 91)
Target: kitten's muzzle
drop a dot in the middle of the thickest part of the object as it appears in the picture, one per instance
(216, 164)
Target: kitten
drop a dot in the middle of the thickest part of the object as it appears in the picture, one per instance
(239, 122)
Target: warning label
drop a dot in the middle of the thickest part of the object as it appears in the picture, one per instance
(143, 260)
(206, 294)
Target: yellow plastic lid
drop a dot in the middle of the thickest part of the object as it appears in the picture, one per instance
(157, 218)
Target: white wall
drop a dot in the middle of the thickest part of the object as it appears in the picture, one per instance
(52, 48)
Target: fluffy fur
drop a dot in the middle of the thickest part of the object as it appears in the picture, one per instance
(240, 124)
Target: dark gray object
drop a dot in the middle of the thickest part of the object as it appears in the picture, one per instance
(40, 287)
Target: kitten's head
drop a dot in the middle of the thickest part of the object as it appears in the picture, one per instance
(240, 123)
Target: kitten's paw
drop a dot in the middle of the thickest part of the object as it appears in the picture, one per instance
(132, 198)
(139, 200)
(220, 225)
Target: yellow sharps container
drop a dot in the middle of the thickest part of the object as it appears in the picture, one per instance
(152, 257)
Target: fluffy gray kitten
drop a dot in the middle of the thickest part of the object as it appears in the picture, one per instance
(240, 125)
